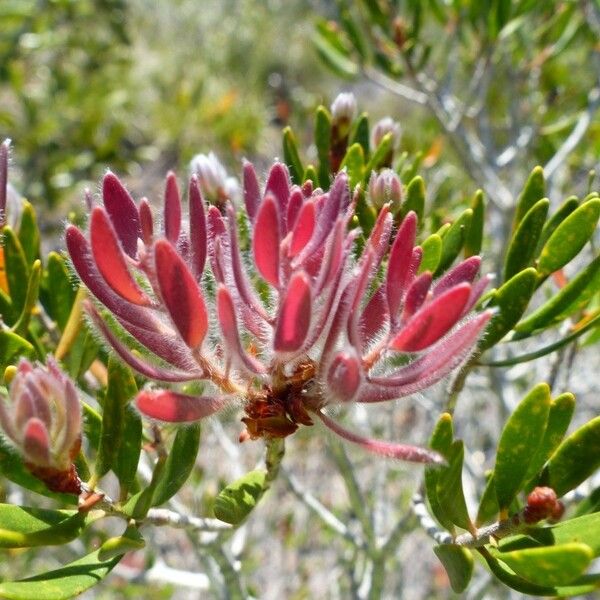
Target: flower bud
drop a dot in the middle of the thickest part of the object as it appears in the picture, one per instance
(43, 421)
(215, 185)
(382, 128)
(385, 187)
(343, 109)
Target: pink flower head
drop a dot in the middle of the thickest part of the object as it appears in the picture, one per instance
(320, 331)
(43, 421)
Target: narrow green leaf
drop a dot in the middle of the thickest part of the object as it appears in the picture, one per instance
(432, 252)
(311, 173)
(179, 465)
(533, 192)
(336, 60)
(563, 211)
(511, 299)
(474, 238)
(29, 234)
(354, 162)
(92, 425)
(559, 418)
(522, 246)
(572, 298)
(454, 240)
(450, 489)
(292, 156)
(441, 441)
(458, 563)
(25, 527)
(380, 155)
(569, 238)
(131, 540)
(128, 452)
(360, 133)
(238, 499)
(551, 565)
(12, 347)
(61, 584)
(355, 35)
(323, 142)
(488, 505)
(6, 308)
(121, 388)
(519, 441)
(33, 287)
(17, 269)
(415, 199)
(575, 459)
(58, 293)
(365, 214)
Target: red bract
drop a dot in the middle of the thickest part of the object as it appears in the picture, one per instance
(321, 330)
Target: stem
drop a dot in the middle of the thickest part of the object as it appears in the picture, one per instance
(459, 383)
(274, 456)
(231, 577)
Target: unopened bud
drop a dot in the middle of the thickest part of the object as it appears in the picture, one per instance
(343, 110)
(215, 185)
(382, 128)
(384, 188)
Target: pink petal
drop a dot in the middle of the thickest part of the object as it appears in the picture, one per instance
(374, 316)
(229, 327)
(266, 240)
(380, 234)
(72, 431)
(146, 221)
(36, 443)
(251, 190)
(123, 213)
(476, 292)
(363, 280)
(173, 407)
(110, 259)
(416, 295)
(278, 186)
(463, 272)
(344, 377)
(197, 227)
(294, 205)
(181, 294)
(172, 215)
(382, 448)
(433, 321)
(303, 228)
(399, 264)
(332, 260)
(295, 315)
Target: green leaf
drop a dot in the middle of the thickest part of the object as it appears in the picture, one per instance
(488, 505)
(454, 240)
(310, 173)
(360, 133)
(29, 234)
(323, 142)
(575, 459)
(559, 418)
(432, 252)
(380, 155)
(569, 238)
(533, 192)
(12, 347)
(131, 540)
(584, 529)
(551, 565)
(92, 425)
(365, 214)
(238, 499)
(354, 162)
(415, 199)
(33, 287)
(121, 388)
(572, 298)
(563, 211)
(25, 527)
(474, 237)
(61, 584)
(512, 299)
(355, 35)
(522, 246)
(58, 293)
(179, 465)
(458, 563)
(441, 441)
(292, 156)
(449, 487)
(336, 60)
(519, 441)
(128, 452)
(17, 269)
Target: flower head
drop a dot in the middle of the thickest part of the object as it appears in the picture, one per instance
(322, 329)
(385, 188)
(43, 421)
(216, 186)
(382, 128)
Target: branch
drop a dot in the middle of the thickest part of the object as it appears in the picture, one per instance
(576, 135)
(399, 89)
(165, 517)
